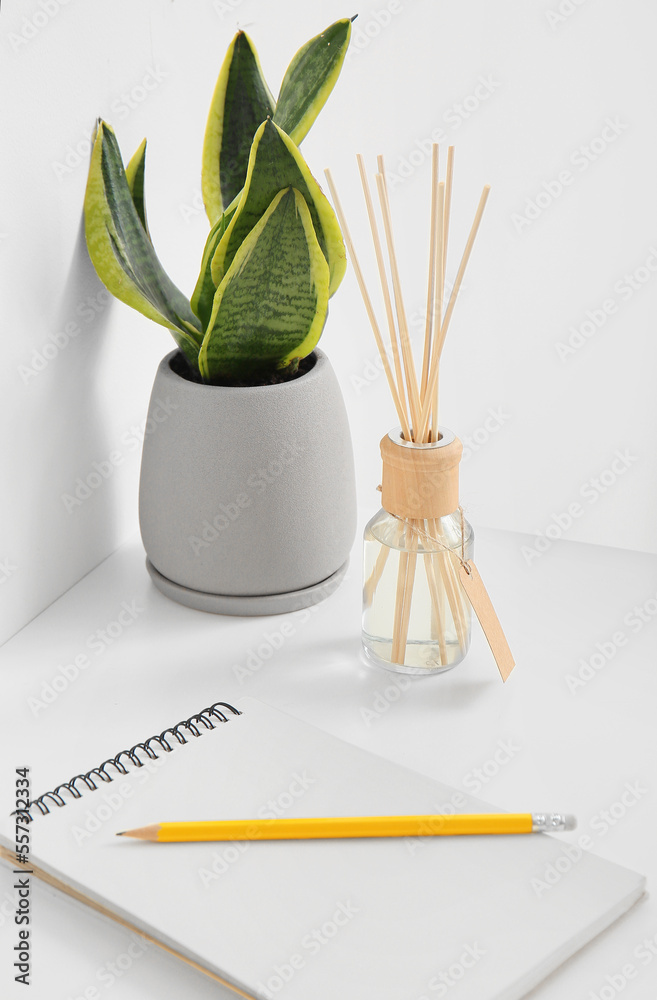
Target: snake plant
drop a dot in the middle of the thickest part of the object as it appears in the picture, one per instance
(274, 254)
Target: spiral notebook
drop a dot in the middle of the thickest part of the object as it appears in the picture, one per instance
(395, 919)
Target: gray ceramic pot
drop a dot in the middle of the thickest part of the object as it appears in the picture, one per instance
(247, 501)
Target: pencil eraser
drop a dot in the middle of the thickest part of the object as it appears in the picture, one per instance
(570, 822)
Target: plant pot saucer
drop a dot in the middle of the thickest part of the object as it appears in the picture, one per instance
(247, 605)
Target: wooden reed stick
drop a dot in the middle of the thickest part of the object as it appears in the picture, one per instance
(428, 325)
(437, 308)
(404, 595)
(452, 589)
(444, 569)
(399, 406)
(408, 559)
(451, 582)
(464, 263)
(400, 628)
(395, 654)
(435, 595)
(462, 601)
(410, 585)
(407, 355)
(374, 578)
(446, 215)
(449, 175)
(433, 374)
(378, 252)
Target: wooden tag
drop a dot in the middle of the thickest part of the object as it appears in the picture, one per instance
(485, 612)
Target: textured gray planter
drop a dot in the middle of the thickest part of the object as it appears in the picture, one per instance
(247, 499)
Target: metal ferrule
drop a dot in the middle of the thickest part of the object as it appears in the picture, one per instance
(552, 822)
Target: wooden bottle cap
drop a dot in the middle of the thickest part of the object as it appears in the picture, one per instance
(420, 480)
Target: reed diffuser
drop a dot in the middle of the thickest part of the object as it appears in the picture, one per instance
(420, 583)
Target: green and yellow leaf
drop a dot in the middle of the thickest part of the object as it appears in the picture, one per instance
(240, 103)
(271, 306)
(276, 163)
(134, 174)
(203, 296)
(310, 78)
(121, 252)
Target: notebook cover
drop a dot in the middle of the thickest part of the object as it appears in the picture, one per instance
(399, 919)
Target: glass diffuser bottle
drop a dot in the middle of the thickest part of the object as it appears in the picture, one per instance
(416, 616)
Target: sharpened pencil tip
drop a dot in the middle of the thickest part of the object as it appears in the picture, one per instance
(121, 834)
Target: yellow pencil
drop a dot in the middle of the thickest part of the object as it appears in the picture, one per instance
(353, 826)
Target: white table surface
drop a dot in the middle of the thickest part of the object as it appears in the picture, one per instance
(565, 751)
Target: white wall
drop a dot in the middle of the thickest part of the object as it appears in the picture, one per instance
(551, 89)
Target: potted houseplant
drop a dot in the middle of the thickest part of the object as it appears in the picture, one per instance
(247, 497)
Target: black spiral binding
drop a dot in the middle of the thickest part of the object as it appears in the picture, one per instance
(191, 726)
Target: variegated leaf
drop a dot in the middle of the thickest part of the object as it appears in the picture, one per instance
(204, 292)
(134, 174)
(121, 252)
(276, 163)
(271, 306)
(310, 78)
(240, 103)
